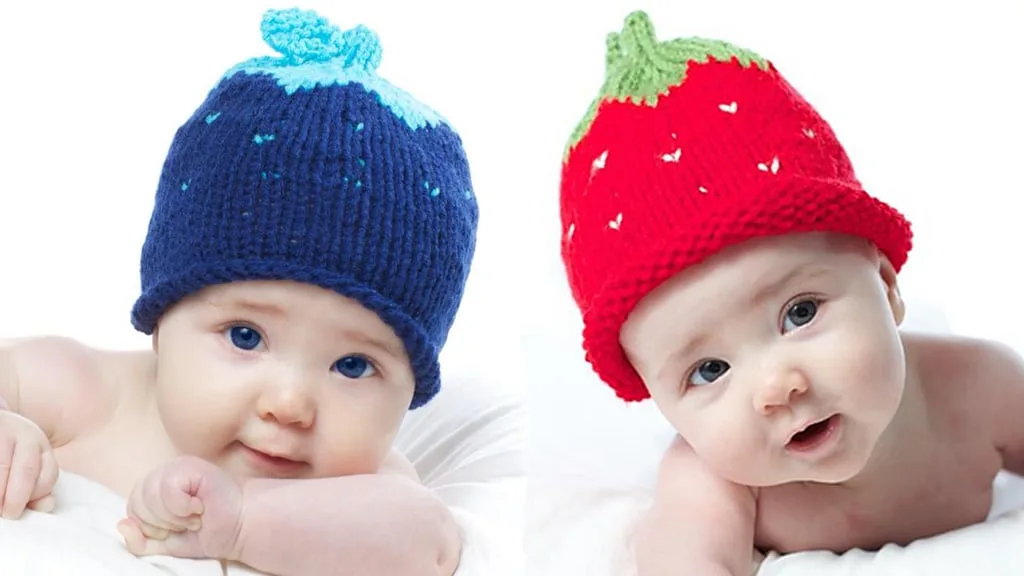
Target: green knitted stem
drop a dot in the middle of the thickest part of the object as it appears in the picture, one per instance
(640, 68)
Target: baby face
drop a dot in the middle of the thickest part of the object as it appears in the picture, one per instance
(777, 360)
(279, 379)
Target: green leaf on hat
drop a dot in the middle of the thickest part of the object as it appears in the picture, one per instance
(639, 68)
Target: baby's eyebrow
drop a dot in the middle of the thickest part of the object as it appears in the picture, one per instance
(691, 345)
(255, 305)
(382, 345)
(773, 287)
(776, 285)
(680, 354)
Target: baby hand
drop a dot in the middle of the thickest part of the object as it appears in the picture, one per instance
(28, 470)
(187, 508)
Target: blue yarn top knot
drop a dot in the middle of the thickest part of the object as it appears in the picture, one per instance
(303, 36)
(315, 53)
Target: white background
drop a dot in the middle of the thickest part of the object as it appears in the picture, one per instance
(926, 97)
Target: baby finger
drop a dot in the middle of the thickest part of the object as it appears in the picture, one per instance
(44, 504)
(153, 532)
(178, 501)
(7, 444)
(25, 468)
(147, 511)
(48, 473)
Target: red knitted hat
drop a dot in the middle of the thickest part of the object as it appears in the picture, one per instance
(694, 145)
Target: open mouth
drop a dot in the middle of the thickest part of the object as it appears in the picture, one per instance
(814, 435)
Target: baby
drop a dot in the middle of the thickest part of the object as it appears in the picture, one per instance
(728, 265)
(312, 234)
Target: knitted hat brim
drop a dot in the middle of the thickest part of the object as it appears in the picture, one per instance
(786, 206)
(423, 356)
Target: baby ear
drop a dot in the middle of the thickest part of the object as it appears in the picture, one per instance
(892, 289)
(155, 338)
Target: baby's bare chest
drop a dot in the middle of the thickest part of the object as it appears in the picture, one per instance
(116, 455)
(946, 491)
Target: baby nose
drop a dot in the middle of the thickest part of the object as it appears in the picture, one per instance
(289, 404)
(780, 390)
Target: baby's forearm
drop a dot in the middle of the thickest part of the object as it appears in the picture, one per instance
(685, 557)
(698, 522)
(367, 524)
(665, 546)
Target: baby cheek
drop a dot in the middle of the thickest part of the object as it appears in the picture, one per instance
(201, 405)
(351, 446)
(209, 420)
(873, 366)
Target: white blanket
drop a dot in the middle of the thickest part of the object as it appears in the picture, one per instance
(585, 530)
(467, 445)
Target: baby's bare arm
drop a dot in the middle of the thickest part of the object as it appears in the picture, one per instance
(55, 382)
(698, 523)
(1003, 373)
(378, 524)
(8, 377)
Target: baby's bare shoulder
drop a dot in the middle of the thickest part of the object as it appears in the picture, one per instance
(47, 358)
(989, 377)
(63, 385)
(946, 360)
(982, 380)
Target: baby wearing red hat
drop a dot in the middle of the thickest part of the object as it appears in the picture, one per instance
(729, 265)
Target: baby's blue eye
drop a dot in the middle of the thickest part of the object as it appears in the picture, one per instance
(799, 314)
(355, 367)
(244, 337)
(708, 372)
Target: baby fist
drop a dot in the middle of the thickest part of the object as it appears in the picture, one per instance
(28, 470)
(187, 508)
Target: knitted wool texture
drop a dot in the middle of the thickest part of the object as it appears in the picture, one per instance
(694, 145)
(312, 168)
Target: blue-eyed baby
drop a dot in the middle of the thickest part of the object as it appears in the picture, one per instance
(729, 265)
(312, 234)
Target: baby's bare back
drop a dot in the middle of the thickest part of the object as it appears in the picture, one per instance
(940, 481)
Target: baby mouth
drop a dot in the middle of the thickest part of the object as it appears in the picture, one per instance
(280, 460)
(814, 435)
(271, 463)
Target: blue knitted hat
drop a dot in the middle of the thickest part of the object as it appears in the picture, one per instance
(310, 167)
